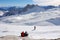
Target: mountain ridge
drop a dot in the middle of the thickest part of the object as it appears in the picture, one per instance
(31, 8)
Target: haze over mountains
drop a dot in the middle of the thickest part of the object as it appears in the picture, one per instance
(31, 15)
(18, 10)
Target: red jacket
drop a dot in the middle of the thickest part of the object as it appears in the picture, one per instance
(22, 34)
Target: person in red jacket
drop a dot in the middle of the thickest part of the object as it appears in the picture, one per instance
(22, 34)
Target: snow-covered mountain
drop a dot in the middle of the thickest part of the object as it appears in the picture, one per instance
(44, 18)
(1, 13)
(35, 16)
(25, 10)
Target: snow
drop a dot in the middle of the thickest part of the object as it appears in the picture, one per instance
(14, 25)
(34, 18)
(56, 21)
(1, 13)
(48, 32)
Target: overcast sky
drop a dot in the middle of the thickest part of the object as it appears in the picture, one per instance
(25, 2)
(47, 2)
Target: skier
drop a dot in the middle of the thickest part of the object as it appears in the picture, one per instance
(34, 28)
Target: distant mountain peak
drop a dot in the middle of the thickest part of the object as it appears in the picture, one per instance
(28, 6)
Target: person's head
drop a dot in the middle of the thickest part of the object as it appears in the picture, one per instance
(25, 31)
(22, 31)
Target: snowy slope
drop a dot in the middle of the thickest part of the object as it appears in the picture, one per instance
(34, 18)
(45, 22)
(56, 21)
(1, 13)
(41, 32)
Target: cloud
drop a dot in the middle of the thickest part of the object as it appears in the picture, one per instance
(47, 2)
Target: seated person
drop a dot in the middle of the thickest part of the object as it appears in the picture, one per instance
(22, 34)
(25, 34)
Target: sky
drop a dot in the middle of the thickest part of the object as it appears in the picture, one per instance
(15, 2)
(47, 2)
(25, 2)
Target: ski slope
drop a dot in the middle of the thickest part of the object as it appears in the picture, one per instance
(48, 32)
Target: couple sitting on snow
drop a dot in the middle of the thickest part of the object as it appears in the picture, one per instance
(24, 34)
